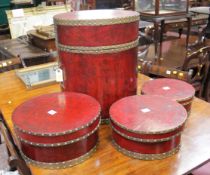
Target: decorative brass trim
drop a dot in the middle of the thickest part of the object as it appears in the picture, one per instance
(146, 140)
(37, 67)
(59, 133)
(105, 121)
(60, 165)
(99, 49)
(178, 100)
(186, 103)
(185, 99)
(145, 156)
(151, 132)
(97, 22)
(61, 143)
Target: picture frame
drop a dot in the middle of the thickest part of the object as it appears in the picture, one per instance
(39, 75)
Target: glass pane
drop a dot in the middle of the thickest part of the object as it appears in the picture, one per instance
(165, 6)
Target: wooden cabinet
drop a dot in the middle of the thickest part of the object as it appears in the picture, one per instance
(110, 4)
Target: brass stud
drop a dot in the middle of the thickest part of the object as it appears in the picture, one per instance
(145, 156)
(59, 165)
(62, 143)
(61, 133)
(181, 74)
(174, 72)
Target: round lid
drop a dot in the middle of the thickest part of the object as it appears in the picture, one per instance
(56, 113)
(148, 114)
(174, 89)
(96, 17)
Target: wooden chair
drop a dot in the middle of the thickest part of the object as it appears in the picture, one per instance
(15, 159)
(194, 70)
(197, 64)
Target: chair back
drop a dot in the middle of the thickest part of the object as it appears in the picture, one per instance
(197, 64)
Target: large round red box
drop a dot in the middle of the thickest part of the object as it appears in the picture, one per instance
(98, 53)
(147, 127)
(176, 90)
(57, 130)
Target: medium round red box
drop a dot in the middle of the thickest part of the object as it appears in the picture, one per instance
(98, 53)
(147, 127)
(57, 130)
(176, 90)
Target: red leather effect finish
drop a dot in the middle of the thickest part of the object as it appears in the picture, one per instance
(106, 73)
(179, 91)
(57, 139)
(147, 136)
(69, 133)
(107, 77)
(67, 108)
(61, 153)
(146, 148)
(147, 124)
(187, 104)
(106, 35)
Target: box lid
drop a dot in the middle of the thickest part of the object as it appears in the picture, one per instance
(147, 114)
(96, 17)
(56, 114)
(174, 89)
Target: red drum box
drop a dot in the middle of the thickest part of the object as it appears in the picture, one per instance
(57, 130)
(98, 53)
(147, 127)
(177, 90)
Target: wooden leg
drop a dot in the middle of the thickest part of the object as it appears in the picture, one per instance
(207, 91)
(161, 41)
(180, 32)
(189, 21)
(21, 166)
(156, 40)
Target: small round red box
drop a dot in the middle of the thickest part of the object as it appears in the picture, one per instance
(98, 53)
(57, 130)
(177, 90)
(147, 127)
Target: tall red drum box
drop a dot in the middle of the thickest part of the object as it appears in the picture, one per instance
(98, 53)
(176, 90)
(147, 127)
(57, 130)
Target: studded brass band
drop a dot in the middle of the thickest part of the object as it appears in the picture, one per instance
(97, 22)
(181, 100)
(58, 133)
(186, 103)
(62, 143)
(145, 156)
(145, 140)
(100, 49)
(105, 121)
(185, 99)
(145, 132)
(59, 165)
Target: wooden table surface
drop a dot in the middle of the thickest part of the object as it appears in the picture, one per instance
(195, 149)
